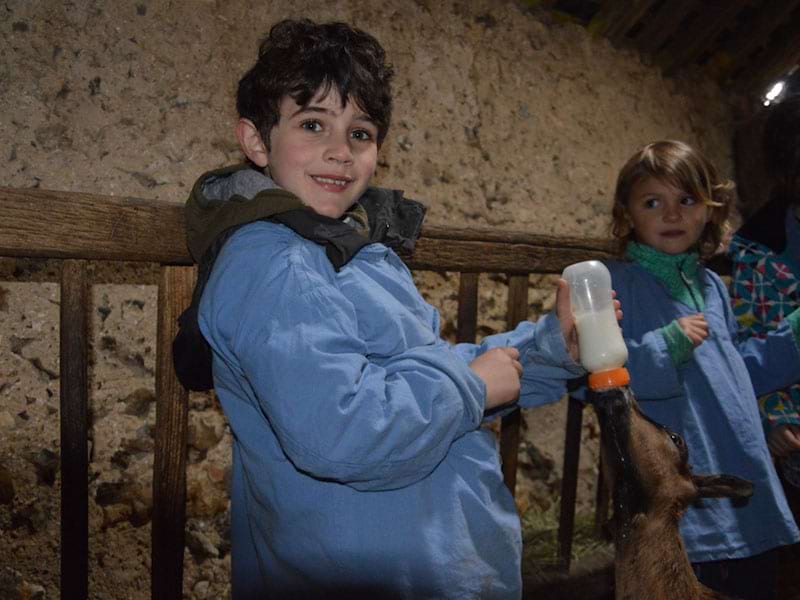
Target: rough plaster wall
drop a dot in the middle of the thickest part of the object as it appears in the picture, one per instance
(502, 119)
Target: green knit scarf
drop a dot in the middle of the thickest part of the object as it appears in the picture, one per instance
(679, 272)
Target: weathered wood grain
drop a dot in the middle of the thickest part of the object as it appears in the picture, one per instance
(690, 43)
(171, 435)
(660, 27)
(74, 400)
(754, 34)
(510, 426)
(47, 224)
(467, 320)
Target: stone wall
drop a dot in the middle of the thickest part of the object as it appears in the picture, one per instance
(502, 119)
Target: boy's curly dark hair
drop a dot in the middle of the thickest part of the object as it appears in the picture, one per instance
(687, 169)
(299, 58)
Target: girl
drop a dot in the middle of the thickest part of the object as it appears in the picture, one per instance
(688, 372)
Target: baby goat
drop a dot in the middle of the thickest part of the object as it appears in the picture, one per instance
(652, 484)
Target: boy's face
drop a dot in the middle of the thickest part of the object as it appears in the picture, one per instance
(323, 153)
(665, 217)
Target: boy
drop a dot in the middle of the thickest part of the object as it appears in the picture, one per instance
(359, 466)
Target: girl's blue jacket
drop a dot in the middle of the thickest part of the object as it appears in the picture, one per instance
(711, 402)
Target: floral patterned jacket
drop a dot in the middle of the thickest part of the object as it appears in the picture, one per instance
(765, 288)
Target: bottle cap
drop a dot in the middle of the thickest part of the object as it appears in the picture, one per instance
(609, 379)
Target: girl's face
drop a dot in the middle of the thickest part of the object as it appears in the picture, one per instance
(665, 217)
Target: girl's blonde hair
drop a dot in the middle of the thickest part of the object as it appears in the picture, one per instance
(685, 168)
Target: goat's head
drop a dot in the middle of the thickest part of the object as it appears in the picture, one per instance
(647, 465)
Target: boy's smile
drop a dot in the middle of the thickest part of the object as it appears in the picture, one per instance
(323, 153)
(665, 217)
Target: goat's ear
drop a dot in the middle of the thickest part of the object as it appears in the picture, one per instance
(722, 486)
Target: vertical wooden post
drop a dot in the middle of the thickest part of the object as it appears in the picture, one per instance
(467, 307)
(510, 427)
(569, 482)
(169, 466)
(74, 400)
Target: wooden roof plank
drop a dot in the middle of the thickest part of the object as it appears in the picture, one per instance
(632, 15)
(778, 60)
(688, 45)
(604, 19)
(753, 35)
(662, 25)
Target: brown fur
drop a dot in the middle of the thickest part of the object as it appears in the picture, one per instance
(647, 467)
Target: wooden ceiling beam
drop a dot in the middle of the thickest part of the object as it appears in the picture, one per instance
(688, 45)
(635, 13)
(753, 35)
(615, 18)
(777, 60)
(662, 25)
(607, 15)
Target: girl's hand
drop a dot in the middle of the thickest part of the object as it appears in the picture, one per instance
(567, 319)
(695, 327)
(784, 439)
(500, 370)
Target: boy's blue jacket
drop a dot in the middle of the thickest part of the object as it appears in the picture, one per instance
(711, 402)
(359, 465)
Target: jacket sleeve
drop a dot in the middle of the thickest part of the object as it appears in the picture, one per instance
(372, 422)
(543, 353)
(776, 408)
(653, 372)
(772, 360)
(745, 279)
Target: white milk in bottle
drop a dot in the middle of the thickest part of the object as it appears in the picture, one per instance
(602, 349)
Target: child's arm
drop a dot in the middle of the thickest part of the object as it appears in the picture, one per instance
(749, 282)
(773, 362)
(546, 358)
(368, 421)
(340, 411)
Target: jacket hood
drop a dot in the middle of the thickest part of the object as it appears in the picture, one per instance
(238, 194)
(228, 197)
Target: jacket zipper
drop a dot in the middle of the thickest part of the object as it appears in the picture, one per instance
(687, 283)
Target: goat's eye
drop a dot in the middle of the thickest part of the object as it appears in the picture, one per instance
(676, 439)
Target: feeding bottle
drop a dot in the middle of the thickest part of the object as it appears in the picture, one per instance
(602, 350)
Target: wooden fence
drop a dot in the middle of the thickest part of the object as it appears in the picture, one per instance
(75, 228)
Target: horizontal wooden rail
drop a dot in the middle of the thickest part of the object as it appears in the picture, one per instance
(49, 224)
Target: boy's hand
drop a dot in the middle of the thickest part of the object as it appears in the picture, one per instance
(783, 440)
(567, 319)
(500, 370)
(695, 327)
